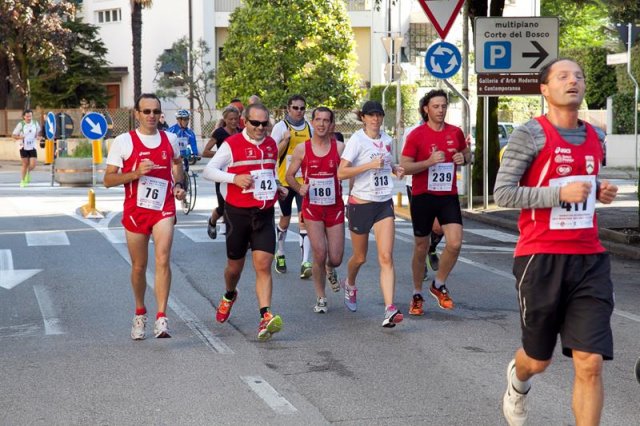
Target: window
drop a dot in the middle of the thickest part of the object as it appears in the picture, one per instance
(110, 15)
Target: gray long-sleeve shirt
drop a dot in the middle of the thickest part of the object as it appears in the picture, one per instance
(525, 144)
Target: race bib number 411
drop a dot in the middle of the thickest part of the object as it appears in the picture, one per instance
(574, 215)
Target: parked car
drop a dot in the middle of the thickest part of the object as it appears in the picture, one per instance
(504, 131)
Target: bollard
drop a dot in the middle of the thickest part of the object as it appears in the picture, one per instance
(399, 199)
(89, 210)
(97, 152)
(48, 152)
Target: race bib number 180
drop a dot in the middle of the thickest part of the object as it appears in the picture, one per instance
(322, 191)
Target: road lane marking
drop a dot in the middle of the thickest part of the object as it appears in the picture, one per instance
(627, 315)
(52, 324)
(493, 235)
(46, 238)
(188, 317)
(269, 395)
(10, 277)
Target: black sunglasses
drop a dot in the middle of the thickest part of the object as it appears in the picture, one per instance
(257, 123)
(149, 111)
(298, 108)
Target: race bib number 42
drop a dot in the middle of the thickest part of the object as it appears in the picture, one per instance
(152, 192)
(264, 184)
(574, 215)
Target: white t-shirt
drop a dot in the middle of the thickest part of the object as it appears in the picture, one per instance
(372, 185)
(278, 130)
(408, 179)
(30, 132)
(122, 146)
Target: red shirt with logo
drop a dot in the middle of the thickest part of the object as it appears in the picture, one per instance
(247, 158)
(569, 228)
(318, 171)
(162, 156)
(421, 143)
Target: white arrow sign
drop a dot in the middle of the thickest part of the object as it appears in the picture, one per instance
(10, 277)
(51, 124)
(95, 128)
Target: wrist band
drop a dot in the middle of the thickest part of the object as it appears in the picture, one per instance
(178, 183)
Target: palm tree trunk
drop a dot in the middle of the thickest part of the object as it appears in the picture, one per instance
(136, 41)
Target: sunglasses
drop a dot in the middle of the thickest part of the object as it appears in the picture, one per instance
(256, 123)
(298, 108)
(149, 111)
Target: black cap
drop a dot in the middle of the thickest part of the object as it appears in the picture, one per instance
(372, 107)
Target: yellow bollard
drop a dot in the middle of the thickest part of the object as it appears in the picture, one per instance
(97, 152)
(48, 151)
(399, 199)
(89, 210)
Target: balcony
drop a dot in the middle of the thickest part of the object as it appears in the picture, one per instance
(352, 5)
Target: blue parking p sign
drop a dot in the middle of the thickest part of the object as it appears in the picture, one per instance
(497, 55)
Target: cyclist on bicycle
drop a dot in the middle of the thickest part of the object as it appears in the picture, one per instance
(186, 137)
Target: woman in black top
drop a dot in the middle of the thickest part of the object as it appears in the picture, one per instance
(231, 118)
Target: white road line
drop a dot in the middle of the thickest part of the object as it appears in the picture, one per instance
(486, 268)
(47, 238)
(52, 324)
(494, 235)
(188, 317)
(199, 235)
(10, 277)
(627, 315)
(269, 395)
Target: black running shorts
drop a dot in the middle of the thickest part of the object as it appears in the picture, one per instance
(362, 217)
(287, 204)
(566, 294)
(249, 228)
(28, 153)
(425, 208)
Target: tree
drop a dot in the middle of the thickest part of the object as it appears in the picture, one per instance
(280, 47)
(172, 73)
(136, 42)
(481, 8)
(581, 24)
(33, 41)
(85, 75)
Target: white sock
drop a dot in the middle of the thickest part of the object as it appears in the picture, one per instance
(520, 387)
(282, 236)
(305, 246)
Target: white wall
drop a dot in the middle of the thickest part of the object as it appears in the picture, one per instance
(621, 150)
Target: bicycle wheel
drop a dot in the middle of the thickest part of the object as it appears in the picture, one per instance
(194, 190)
(186, 203)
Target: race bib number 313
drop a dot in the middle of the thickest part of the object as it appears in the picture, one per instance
(574, 215)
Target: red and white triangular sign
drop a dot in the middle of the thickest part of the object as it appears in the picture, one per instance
(442, 13)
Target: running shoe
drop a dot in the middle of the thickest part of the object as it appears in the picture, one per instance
(27, 178)
(425, 276)
(137, 329)
(305, 270)
(441, 295)
(415, 307)
(392, 316)
(349, 296)
(269, 325)
(161, 328)
(333, 281)
(224, 308)
(23, 183)
(433, 260)
(281, 264)
(211, 229)
(514, 404)
(321, 306)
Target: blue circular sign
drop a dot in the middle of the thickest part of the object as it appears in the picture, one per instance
(50, 126)
(93, 126)
(443, 60)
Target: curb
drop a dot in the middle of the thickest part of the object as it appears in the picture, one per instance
(613, 247)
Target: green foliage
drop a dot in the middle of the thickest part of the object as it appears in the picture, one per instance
(33, 40)
(623, 11)
(83, 150)
(410, 114)
(172, 72)
(277, 48)
(582, 23)
(624, 82)
(623, 123)
(518, 109)
(86, 72)
(600, 77)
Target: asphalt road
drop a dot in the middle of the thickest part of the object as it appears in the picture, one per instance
(66, 356)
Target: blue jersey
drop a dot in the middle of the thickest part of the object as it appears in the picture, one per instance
(186, 137)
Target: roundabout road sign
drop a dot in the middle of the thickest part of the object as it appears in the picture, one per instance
(443, 60)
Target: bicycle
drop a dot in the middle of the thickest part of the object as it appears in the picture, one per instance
(190, 185)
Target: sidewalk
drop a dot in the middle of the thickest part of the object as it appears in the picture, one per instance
(622, 213)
